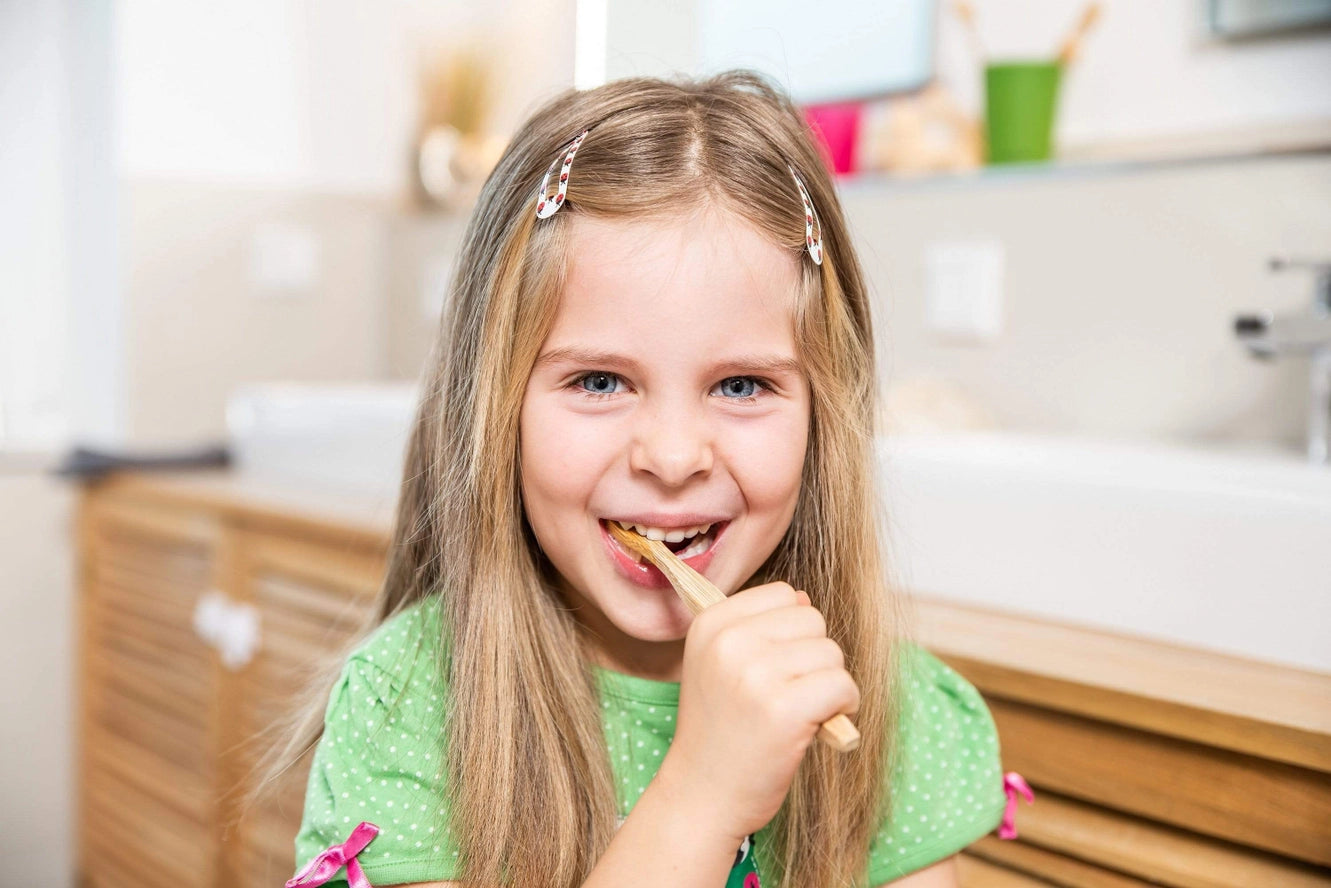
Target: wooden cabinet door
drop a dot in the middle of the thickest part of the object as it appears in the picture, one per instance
(314, 596)
(148, 699)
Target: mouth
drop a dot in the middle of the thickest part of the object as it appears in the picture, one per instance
(694, 545)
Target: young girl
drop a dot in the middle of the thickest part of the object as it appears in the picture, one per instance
(670, 330)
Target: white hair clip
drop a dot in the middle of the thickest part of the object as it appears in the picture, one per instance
(815, 244)
(547, 206)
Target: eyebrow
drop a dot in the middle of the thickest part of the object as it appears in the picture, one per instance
(750, 363)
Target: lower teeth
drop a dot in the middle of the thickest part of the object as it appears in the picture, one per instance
(697, 547)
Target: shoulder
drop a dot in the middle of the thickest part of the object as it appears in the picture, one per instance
(404, 637)
(946, 784)
(402, 654)
(381, 756)
(936, 693)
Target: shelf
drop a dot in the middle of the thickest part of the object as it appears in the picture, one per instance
(1309, 138)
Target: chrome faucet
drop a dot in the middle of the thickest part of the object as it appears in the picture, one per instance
(1308, 332)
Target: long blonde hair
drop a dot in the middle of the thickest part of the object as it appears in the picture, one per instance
(541, 807)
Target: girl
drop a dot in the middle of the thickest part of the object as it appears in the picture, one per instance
(670, 331)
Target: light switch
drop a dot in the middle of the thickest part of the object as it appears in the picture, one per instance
(964, 290)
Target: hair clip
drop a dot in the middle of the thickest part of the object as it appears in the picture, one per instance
(815, 245)
(547, 206)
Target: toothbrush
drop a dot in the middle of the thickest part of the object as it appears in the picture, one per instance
(1068, 51)
(966, 13)
(699, 594)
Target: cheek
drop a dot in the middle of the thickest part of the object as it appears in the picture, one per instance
(769, 464)
(561, 460)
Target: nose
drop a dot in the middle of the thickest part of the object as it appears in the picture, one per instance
(672, 442)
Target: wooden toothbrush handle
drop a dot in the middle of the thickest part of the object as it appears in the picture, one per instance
(839, 733)
(699, 594)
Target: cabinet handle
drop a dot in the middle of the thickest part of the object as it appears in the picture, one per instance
(230, 627)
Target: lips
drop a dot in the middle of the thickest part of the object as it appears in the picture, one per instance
(647, 574)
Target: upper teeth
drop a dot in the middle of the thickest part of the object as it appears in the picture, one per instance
(670, 536)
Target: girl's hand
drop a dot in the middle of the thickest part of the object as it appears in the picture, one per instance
(760, 677)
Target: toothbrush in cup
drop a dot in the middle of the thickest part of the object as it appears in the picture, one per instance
(698, 594)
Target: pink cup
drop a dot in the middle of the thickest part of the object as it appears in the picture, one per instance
(838, 128)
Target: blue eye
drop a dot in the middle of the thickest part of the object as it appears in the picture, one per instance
(740, 388)
(597, 383)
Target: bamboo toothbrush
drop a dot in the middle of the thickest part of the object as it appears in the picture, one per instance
(966, 13)
(698, 594)
(1068, 51)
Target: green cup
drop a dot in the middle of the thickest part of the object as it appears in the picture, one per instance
(1020, 103)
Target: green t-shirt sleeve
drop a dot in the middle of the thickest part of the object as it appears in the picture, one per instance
(380, 759)
(947, 785)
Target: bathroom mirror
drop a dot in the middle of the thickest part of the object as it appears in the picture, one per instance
(1258, 18)
(837, 50)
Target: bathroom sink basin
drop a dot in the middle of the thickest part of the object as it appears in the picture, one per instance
(1224, 550)
(342, 439)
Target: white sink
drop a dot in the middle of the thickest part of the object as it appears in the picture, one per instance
(1224, 550)
(345, 439)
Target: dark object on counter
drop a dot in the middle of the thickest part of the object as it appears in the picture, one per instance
(85, 462)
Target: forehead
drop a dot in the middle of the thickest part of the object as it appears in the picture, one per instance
(676, 288)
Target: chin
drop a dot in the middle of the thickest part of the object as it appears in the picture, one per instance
(652, 623)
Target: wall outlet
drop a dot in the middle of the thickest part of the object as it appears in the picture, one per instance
(963, 294)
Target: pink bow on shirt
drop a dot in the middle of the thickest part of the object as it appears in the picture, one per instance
(327, 863)
(1013, 783)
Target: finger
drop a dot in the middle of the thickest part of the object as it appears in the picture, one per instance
(788, 623)
(755, 600)
(825, 693)
(807, 655)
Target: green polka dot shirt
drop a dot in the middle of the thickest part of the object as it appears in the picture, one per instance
(380, 760)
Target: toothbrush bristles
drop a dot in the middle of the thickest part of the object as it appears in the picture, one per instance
(695, 590)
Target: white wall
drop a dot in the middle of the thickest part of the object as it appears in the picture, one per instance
(310, 94)
(37, 660)
(33, 236)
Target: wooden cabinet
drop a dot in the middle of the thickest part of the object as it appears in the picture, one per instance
(1152, 765)
(150, 714)
(170, 733)
(312, 597)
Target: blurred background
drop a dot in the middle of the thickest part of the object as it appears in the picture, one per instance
(1097, 238)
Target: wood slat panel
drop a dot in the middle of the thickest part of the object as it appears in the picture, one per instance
(313, 600)
(1268, 805)
(148, 776)
(110, 865)
(160, 843)
(1052, 867)
(976, 872)
(129, 520)
(179, 692)
(175, 741)
(1155, 852)
(190, 795)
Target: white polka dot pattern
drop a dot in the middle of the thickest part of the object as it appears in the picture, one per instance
(380, 759)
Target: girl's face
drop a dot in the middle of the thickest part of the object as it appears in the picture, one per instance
(669, 395)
